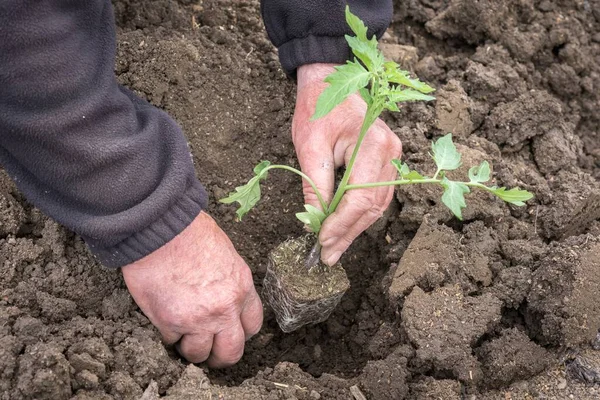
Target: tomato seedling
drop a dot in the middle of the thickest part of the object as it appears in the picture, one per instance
(382, 85)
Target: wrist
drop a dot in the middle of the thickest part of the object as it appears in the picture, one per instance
(308, 74)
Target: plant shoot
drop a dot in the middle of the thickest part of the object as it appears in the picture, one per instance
(382, 85)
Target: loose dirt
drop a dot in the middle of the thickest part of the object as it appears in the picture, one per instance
(504, 305)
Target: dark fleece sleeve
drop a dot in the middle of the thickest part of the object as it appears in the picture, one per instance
(86, 151)
(312, 31)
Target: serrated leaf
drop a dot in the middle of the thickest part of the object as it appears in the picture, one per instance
(405, 172)
(366, 95)
(454, 196)
(347, 79)
(402, 168)
(315, 211)
(395, 75)
(481, 173)
(249, 194)
(392, 106)
(260, 168)
(445, 155)
(414, 176)
(313, 217)
(366, 51)
(357, 26)
(514, 196)
(401, 95)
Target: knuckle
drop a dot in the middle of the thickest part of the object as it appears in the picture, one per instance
(380, 138)
(346, 240)
(233, 357)
(396, 144)
(175, 318)
(195, 358)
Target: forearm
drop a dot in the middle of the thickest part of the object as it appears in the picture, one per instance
(312, 31)
(85, 151)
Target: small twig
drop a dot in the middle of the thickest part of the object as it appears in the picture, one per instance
(358, 395)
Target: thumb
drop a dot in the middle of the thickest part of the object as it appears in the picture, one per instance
(318, 164)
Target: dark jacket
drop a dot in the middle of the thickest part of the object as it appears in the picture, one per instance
(92, 155)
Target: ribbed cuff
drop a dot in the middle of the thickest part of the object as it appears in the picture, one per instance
(313, 49)
(170, 224)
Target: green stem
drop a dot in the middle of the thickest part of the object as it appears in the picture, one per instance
(391, 183)
(370, 118)
(306, 177)
(412, 182)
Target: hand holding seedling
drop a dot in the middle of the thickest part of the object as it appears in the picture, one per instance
(381, 85)
(326, 144)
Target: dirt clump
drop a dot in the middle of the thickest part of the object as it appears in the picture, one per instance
(433, 389)
(511, 124)
(452, 108)
(386, 379)
(569, 272)
(512, 357)
(444, 325)
(578, 194)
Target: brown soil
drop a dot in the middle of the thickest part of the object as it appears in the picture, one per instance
(437, 308)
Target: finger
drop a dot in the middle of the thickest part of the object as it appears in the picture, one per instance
(228, 347)
(356, 202)
(317, 162)
(332, 253)
(196, 347)
(252, 315)
(360, 208)
(170, 338)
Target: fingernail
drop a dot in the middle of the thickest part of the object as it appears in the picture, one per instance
(333, 258)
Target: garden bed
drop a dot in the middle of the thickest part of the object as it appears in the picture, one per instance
(494, 307)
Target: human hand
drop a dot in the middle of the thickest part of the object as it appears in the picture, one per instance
(326, 144)
(199, 293)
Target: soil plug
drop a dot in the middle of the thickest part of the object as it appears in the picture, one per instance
(300, 295)
(382, 85)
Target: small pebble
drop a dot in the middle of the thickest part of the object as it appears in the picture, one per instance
(315, 395)
(562, 384)
(276, 104)
(317, 352)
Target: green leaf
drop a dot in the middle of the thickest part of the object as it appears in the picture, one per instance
(357, 26)
(313, 217)
(395, 75)
(414, 176)
(454, 196)
(402, 168)
(367, 52)
(366, 95)
(260, 168)
(481, 173)
(392, 106)
(445, 155)
(401, 95)
(514, 196)
(249, 194)
(405, 172)
(346, 80)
